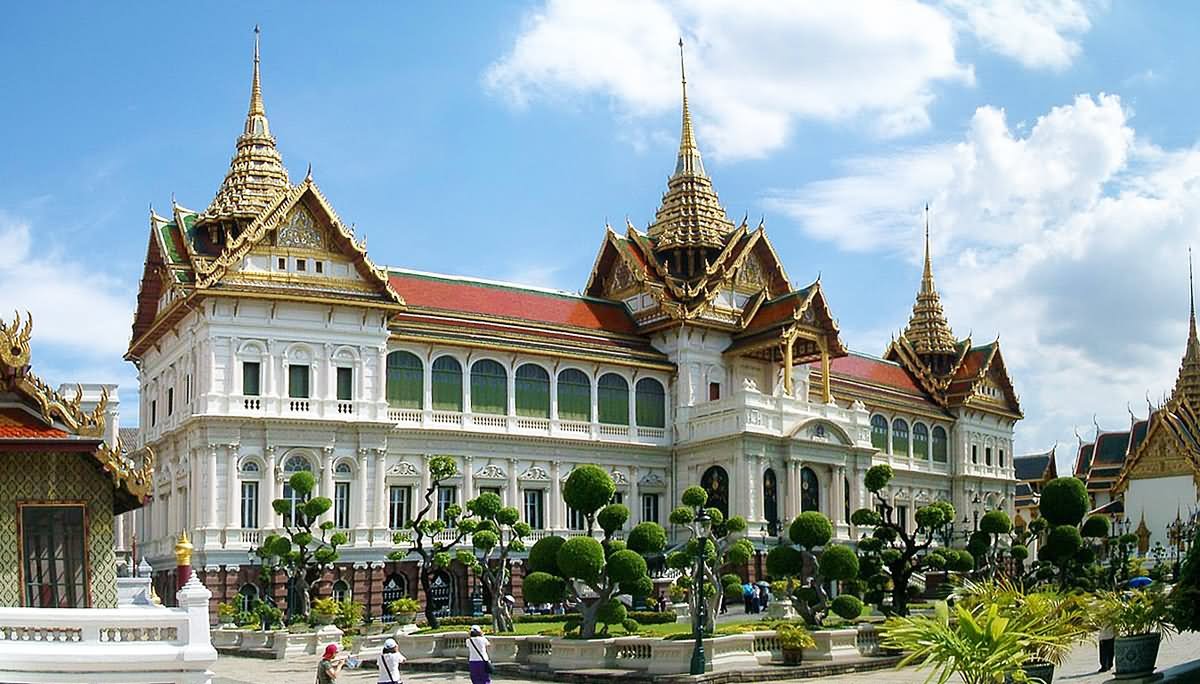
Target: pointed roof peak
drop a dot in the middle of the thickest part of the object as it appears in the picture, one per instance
(928, 330)
(256, 174)
(689, 161)
(1187, 385)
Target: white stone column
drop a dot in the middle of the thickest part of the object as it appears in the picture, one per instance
(327, 478)
(635, 504)
(514, 495)
(267, 518)
(511, 392)
(427, 388)
(750, 486)
(425, 479)
(554, 396)
(233, 497)
(360, 490)
(791, 500)
(555, 503)
(381, 502)
(210, 467)
(468, 479)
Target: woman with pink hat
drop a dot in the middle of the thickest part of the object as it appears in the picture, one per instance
(389, 663)
(330, 666)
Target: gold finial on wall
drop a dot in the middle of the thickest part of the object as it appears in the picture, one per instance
(183, 550)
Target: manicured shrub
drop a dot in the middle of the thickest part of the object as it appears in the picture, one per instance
(960, 561)
(838, 562)
(810, 529)
(1019, 551)
(1064, 501)
(866, 517)
(612, 517)
(588, 488)
(995, 522)
(647, 538)
(542, 587)
(626, 566)
(784, 561)
(581, 558)
(612, 613)
(1095, 527)
(847, 607)
(878, 477)
(1063, 542)
(694, 496)
(543, 555)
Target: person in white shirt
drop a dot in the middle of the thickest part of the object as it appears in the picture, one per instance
(478, 661)
(389, 663)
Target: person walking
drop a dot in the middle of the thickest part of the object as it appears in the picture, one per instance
(1106, 642)
(330, 665)
(389, 663)
(747, 593)
(478, 661)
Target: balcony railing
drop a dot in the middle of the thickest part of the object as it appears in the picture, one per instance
(527, 425)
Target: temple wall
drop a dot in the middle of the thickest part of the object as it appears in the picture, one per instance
(1159, 499)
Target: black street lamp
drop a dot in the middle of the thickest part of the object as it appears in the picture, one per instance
(704, 524)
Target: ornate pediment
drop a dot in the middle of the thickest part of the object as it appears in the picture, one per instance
(619, 477)
(652, 479)
(490, 471)
(404, 469)
(1161, 458)
(299, 230)
(535, 474)
(752, 275)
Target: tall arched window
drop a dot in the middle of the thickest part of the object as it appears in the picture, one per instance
(920, 441)
(939, 445)
(294, 464)
(405, 380)
(810, 490)
(489, 387)
(899, 437)
(533, 391)
(612, 398)
(341, 591)
(879, 432)
(447, 384)
(771, 501)
(651, 404)
(574, 395)
(715, 481)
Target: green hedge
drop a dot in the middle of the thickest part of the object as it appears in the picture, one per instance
(643, 617)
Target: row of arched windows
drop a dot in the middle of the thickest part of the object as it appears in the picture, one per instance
(489, 391)
(894, 439)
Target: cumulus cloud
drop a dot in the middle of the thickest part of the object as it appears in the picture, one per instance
(1069, 241)
(755, 69)
(81, 315)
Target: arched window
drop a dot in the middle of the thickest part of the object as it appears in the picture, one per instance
(899, 437)
(612, 398)
(771, 501)
(879, 432)
(246, 596)
(394, 588)
(920, 435)
(651, 404)
(715, 481)
(939, 445)
(574, 396)
(294, 464)
(533, 391)
(250, 468)
(405, 380)
(341, 591)
(489, 387)
(810, 490)
(447, 384)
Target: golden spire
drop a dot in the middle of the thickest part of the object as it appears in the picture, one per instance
(256, 174)
(928, 331)
(1187, 385)
(690, 215)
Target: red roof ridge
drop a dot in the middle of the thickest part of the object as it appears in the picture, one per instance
(473, 280)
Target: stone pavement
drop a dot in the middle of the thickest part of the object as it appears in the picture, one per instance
(1179, 658)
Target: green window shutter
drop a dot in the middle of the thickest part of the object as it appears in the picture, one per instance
(879, 432)
(899, 437)
(920, 435)
(651, 403)
(612, 397)
(298, 381)
(939, 446)
(406, 380)
(447, 384)
(345, 384)
(251, 375)
(574, 396)
(533, 391)
(489, 388)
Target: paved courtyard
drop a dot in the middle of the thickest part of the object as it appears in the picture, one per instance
(1180, 658)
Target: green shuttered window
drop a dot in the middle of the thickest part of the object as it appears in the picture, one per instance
(574, 396)
(489, 387)
(406, 380)
(533, 391)
(651, 403)
(612, 395)
(447, 384)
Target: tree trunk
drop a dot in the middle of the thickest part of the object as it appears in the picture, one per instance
(430, 617)
(587, 617)
(900, 592)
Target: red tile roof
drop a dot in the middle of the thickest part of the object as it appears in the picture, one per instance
(509, 301)
(875, 371)
(16, 424)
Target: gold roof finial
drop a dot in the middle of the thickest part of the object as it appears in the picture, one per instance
(1187, 385)
(183, 550)
(256, 174)
(928, 331)
(690, 215)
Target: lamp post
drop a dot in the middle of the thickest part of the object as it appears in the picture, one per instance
(704, 524)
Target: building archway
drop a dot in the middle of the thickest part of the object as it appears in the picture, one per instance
(770, 488)
(810, 490)
(443, 592)
(395, 587)
(715, 482)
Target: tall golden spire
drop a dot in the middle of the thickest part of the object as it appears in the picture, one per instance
(1187, 385)
(928, 331)
(691, 215)
(256, 174)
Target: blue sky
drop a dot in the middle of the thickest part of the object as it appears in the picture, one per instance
(1055, 141)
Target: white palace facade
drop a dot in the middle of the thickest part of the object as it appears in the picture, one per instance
(267, 341)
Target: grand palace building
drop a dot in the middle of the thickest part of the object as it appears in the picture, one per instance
(268, 342)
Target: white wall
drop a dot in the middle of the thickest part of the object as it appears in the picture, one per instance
(1159, 499)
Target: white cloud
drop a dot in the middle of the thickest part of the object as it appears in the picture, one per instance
(81, 315)
(1040, 34)
(753, 68)
(1068, 240)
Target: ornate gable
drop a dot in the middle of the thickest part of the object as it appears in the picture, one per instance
(1165, 452)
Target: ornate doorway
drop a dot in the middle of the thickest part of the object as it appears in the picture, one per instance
(810, 490)
(770, 488)
(441, 593)
(715, 481)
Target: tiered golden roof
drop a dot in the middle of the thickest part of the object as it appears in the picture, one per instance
(256, 174)
(691, 215)
(928, 330)
(1187, 385)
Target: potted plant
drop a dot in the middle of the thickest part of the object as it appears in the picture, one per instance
(325, 611)
(268, 615)
(227, 615)
(1138, 619)
(405, 609)
(793, 639)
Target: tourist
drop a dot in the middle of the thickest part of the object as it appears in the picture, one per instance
(747, 594)
(755, 600)
(330, 665)
(1105, 639)
(478, 662)
(389, 663)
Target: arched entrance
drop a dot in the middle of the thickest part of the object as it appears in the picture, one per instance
(810, 490)
(442, 593)
(770, 489)
(394, 589)
(715, 481)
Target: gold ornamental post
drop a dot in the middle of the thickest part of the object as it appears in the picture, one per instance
(183, 559)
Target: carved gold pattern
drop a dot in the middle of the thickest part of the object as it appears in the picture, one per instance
(14, 341)
(300, 230)
(928, 331)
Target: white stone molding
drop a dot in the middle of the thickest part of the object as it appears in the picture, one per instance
(535, 474)
(491, 471)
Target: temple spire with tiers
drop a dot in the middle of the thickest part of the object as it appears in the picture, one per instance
(928, 330)
(256, 174)
(690, 223)
(1187, 385)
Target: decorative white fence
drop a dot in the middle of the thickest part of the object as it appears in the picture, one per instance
(136, 643)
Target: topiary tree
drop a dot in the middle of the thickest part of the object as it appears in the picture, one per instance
(725, 546)
(307, 548)
(1185, 597)
(899, 552)
(984, 544)
(423, 530)
(593, 573)
(1064, 556)
(805, 572)
(497, 532)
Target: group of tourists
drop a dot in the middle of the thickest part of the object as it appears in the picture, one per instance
(756, 596)
(334, 661)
